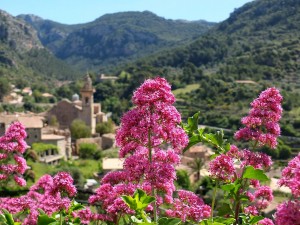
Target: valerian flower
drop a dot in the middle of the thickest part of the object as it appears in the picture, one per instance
(261, 125)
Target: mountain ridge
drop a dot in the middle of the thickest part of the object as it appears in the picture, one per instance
(114, 38)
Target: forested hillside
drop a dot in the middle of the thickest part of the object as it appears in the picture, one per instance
(23, 56)
(256, 47)
(114, 38)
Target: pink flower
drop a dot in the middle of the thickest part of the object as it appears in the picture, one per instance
(291, 176)
(21, 164)
(20, 181)
(263, 197)
(189, 206)
(265, 221)
(12, 145)
(222, 168)
(264, 115)
(252, 210)
(41, 196)
(256, 159)
(63, 181)
(288, 213)
(153, 91)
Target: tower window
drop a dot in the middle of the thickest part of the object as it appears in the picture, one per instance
(86, 100)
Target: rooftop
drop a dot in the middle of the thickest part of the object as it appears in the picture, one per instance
(27, 121)
(52, 137)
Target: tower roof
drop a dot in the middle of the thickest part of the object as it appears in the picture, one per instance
(87, 83)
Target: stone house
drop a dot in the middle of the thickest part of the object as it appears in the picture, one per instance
(85, 109)
(37, 133)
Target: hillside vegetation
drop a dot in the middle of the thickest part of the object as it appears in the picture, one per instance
(22, 55)
(256, 47)
(114, 38)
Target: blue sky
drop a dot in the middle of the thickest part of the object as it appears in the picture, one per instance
(81, 11)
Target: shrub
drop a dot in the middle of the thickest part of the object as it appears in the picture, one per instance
(89, 151)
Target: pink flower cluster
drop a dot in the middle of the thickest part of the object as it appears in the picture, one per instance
(45, 195)
(86, 216)
(189, 206)
(265, 221)
(288, 213)
(12, 146)
(291, 176)
(154, 120)
(151, 139)
(260, 200)
(222, 168)
(258, 160)
(108, 196)
(261, 125)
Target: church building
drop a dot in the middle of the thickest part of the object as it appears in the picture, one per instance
(85, 109)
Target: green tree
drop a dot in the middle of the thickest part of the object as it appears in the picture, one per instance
(79, 129)
(196, 166)
(105, 127)
(183, 179)
(89, 151)
(4, 87)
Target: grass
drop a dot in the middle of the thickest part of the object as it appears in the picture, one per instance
(186, 89)
(110, 153)
(88, 167)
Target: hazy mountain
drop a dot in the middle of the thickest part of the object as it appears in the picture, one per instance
(114, 38)
(23, 55)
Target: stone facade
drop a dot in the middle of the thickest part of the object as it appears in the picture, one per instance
(37, 133)
(86, 110)
(33, 125)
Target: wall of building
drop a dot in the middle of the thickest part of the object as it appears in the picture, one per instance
(65, 113)
(61, 144)
(33, 135)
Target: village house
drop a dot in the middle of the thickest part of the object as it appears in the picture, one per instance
(67, 111)
(37, 133)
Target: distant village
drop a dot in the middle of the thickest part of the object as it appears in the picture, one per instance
(83, 107)
(64, 112)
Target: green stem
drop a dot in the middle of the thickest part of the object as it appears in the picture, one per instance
(60, 218)
(213, 201)
(152, 188)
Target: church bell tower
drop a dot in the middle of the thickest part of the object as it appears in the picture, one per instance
(87, 98)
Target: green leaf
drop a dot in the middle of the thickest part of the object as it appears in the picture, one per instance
(129, 201)
(227, 221)
(41, 211)
(209, 222)
(45, 220)
(225, 210)
(142, 199)
(169, 221)
(228, 187)
(193, 122)
(76, 206)
(244, 198)
(135, 220)
(255, 219)
(139, 201)
(54, 223)
(193, 140)
(255, 174)
(9, 219)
